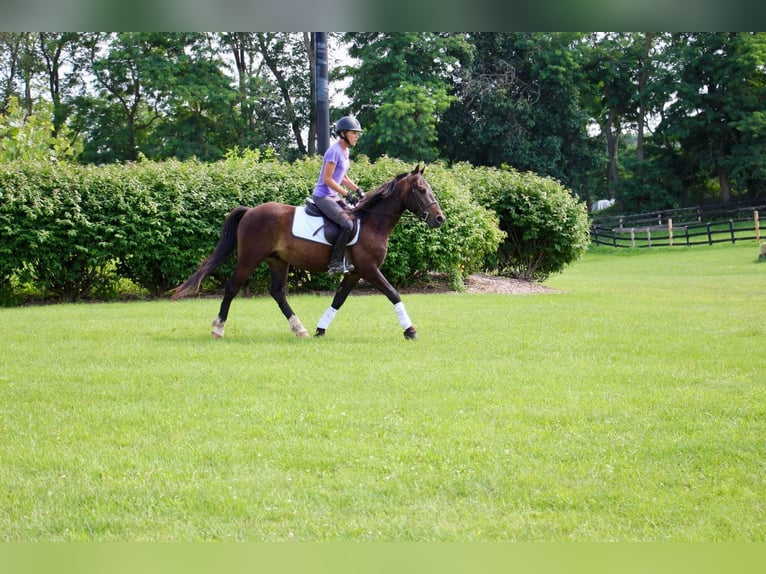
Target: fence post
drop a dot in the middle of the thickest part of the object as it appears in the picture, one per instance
(757, 226)
(709, 235)
(731, 230)
(670, 231)
(632, 237)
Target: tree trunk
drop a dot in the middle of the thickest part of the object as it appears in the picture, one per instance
(723, 181)
(282, 84)
(643, 78)
(612, 173)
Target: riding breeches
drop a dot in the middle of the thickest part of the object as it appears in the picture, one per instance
(335, 210)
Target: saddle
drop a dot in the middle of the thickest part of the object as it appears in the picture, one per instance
(310, 223)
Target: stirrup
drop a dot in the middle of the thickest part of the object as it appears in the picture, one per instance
(340, 267)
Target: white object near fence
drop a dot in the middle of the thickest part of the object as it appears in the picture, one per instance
(602, 204)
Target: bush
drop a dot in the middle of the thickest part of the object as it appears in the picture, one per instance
(546, 226)
(460, 247)
(75, 232)
(52, 236)
(72, 231)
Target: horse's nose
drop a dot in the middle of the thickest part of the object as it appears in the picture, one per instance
(439, 220)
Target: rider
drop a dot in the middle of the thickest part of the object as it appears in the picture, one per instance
(328, 194)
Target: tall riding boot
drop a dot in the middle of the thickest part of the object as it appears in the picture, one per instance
(337, 260)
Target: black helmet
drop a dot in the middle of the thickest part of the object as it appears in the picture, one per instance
(347, 124)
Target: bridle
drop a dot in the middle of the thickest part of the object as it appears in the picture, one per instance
(423, 215)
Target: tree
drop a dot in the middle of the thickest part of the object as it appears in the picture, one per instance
(717, 117)
(274, 90)
(609, 89)
(518, 104)
(29, 136)
(17, 68)
(54, 49)
(402, 88)
(122, 107)
(163, 95)
(195, 99)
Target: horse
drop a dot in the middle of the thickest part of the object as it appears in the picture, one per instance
(264, 234)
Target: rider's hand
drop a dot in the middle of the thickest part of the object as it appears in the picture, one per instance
(351, 199)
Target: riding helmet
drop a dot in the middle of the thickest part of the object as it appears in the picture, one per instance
(348, 124)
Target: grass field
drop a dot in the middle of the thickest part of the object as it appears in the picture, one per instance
(629, 406)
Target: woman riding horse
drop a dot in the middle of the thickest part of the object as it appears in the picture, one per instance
(264, 234)
(329, 189)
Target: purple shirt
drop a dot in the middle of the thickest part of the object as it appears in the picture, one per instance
(337, 155)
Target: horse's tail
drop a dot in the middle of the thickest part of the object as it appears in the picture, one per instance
(226, 244)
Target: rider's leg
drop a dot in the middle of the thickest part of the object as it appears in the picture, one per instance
(338, 263)
(332, 209)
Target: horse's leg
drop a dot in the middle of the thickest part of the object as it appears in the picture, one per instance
(349, 282)
(278, 290)
(233, 285)
(245, 266)
(378, 281)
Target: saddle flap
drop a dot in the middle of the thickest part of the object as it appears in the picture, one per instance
(318, 228)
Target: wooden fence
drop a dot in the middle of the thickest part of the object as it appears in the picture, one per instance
(696, 227)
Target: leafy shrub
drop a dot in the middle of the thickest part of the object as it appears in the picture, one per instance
(546, 226)
(51, 233)
(458, 248)
(72, 230)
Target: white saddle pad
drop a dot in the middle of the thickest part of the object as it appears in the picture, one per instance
(312, 228)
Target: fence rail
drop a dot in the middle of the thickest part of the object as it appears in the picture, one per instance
(667, 234)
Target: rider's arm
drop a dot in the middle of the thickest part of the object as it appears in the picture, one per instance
(330, 182)
(350, 184)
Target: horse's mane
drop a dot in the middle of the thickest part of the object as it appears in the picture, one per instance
(372, 198)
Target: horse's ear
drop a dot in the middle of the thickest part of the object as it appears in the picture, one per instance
(423, 169)
(416, 170)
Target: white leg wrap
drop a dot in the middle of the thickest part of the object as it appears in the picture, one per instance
(218, 327)
(326, 319)
(297, 327)
(401, 313)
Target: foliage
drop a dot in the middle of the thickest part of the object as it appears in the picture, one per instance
(401, 88)
(53, 231)
(518, 104)
(653, 120)
(546, 226)
(715, 124)
(152, 222)
(30, 137)
(460, 247)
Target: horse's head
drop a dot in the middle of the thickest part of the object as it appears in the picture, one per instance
(420, 198)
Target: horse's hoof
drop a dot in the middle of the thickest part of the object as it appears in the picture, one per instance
(320, 332)
(410, 333)
(297, 328)
(218, 328)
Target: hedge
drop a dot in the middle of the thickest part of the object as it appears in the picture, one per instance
(546, 226)
(72, 231)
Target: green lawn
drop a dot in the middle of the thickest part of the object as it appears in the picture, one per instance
(629, 406)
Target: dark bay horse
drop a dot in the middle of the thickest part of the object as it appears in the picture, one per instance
(263, 234)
